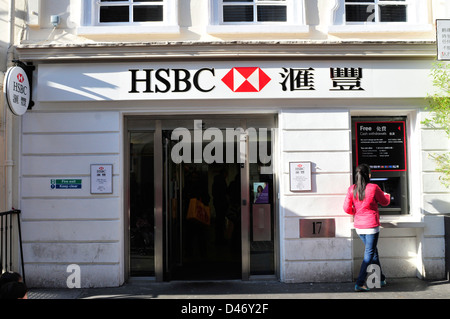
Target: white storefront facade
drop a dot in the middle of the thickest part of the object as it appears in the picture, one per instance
(122, 138)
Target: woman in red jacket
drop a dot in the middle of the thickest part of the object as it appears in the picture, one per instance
(362, 201)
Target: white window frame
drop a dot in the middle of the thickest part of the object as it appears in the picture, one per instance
(90, 24)
(295, 20)
(416, 20)
(376, 4)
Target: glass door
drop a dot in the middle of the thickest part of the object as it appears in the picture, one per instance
(262, 208)
(203, 233)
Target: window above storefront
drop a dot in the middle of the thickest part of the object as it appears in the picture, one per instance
(257, 16)
(254, 11)
(130, 17)
(114, 11)
(375, 11)
(359, 16)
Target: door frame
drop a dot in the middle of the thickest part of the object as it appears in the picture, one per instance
(154, 124)
(245, 203)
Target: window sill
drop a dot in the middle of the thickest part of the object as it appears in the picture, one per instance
(400, 223)
(251, 29)
(380, 28)
(128, 29)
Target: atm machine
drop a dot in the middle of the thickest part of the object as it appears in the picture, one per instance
(381, 143)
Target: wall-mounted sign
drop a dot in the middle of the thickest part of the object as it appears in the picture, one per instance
(101, 179)
(313, 228)
(300, 176)
(233, 80)
(443, 39)
(17, 90)
(65, 183)
(381, 145)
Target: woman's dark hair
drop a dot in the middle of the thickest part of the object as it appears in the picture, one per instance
(362, 178)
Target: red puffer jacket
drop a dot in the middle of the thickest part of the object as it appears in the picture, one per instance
(366, 211)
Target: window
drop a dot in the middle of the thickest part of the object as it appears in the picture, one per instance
(376, 11)
(358, 16)
(254, 11)
(257, 16)
(133, 17)
(114, 11)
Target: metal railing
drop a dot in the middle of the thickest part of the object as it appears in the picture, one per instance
(7, 238)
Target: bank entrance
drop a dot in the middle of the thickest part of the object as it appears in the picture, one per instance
(201, 202)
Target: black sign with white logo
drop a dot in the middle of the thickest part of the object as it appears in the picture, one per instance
(381, 145)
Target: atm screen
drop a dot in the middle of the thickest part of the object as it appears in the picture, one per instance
(390, 185)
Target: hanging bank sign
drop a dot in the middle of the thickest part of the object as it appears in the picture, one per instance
(233, 80)
(17, 90)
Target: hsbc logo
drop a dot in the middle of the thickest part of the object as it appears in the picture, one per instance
(246, 79)
(238, 79)
(20, 77)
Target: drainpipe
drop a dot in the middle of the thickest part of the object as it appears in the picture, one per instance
(9, 163)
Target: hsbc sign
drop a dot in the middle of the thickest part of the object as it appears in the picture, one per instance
(168, 80)
(179, 80)
(17, 90)
(238, 79)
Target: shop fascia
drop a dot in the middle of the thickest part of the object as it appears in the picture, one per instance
(237, 80)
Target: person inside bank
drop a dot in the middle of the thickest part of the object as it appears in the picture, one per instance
(362, 201)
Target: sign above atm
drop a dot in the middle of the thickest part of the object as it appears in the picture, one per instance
(220, 80)
(381, 145)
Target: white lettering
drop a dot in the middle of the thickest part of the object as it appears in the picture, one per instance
(74, 279)
(213, 152)
(190, 308)
(374, 279)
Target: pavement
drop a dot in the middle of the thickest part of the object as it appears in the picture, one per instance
(239, 299)
(405, 288)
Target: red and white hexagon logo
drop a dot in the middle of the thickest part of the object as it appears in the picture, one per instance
(20, 77)
(246, 79)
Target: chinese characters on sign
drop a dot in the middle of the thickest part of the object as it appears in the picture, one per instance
(443, 39)
(341, 79)
(297, 79)
(300, 176)
(346, 78)
(381, 145)
(17, 90)
(101, 178)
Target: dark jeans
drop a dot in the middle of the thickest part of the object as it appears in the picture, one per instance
(370, 257)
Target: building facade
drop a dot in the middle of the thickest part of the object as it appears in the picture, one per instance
(180, 140)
